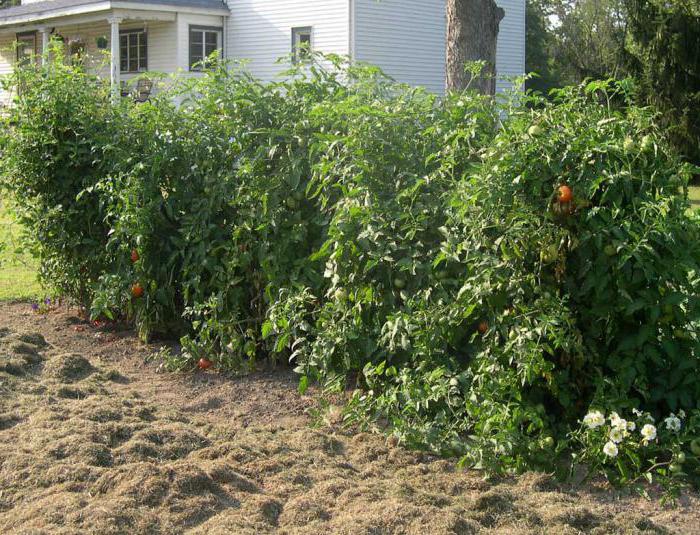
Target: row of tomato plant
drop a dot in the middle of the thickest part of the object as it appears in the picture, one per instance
(477, 274)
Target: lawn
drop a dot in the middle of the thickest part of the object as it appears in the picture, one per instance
(694, 195)
(17, 267)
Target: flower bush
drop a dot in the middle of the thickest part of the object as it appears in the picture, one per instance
(627, 450)
(474, 273)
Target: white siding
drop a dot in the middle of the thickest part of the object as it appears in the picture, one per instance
(406, 38)
(7, 56)
(510, 58)
(261, 30)
(161, 44)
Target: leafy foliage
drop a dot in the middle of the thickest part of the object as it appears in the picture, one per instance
(663, 56)
(570, 41)
(653, 42)
(638, 449)
(56, 147)
(411, 248)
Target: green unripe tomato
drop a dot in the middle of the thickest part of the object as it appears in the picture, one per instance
(629, 145)
(534, 130)
(610, 250)
(680, 458)
(695, 447)
(292, 203)
(675, 468)
(547, 442)
(298, 195)
(550, 254)
(399, 283)
(681, 334)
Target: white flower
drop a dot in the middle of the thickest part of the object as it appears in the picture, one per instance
(594, 419)
(610, 449)
(617, 435)
(681, 414)
(615, 419)
(620, 424)
(673, 423)
(637, 412)
(648, 432)
(631, 426)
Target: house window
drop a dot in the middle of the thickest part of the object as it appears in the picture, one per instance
(133, 51)
(26, 48)
(301, 44)
(204, 41)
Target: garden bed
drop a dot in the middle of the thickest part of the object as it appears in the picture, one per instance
(93, 439)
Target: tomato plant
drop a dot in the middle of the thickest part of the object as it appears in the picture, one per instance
(427, 252)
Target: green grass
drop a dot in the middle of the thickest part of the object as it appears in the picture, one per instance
(694, 196)
(18, 269)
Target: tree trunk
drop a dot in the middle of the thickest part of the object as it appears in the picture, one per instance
(472, 34)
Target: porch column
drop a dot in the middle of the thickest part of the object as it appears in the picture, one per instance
(114, 60)
(45, 39)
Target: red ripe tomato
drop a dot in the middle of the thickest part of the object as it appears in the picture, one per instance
(483, 327)
(137, 290)
(135, 256)
(204, 364)
(564, 194)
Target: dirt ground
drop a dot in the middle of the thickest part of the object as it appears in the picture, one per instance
(93, 439)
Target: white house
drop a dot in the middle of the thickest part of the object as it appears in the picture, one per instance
(406, 38)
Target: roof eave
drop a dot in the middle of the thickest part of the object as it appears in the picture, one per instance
(106, 5)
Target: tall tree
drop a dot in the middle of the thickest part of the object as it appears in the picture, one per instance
(539, 44)
(472, 35)
(591, 35)
(664, 55)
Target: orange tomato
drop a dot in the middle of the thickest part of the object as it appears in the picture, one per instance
(204, 364)
(564, 194)
(137, 290)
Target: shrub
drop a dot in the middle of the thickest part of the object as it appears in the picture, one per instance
(514, 311)
(412, 248)
(638, 448)
(57, 144)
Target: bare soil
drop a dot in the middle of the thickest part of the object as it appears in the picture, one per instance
(93, 439)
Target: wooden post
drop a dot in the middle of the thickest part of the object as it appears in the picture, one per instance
(45, 40)
(114, 64)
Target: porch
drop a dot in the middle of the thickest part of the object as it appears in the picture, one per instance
(118, 40)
